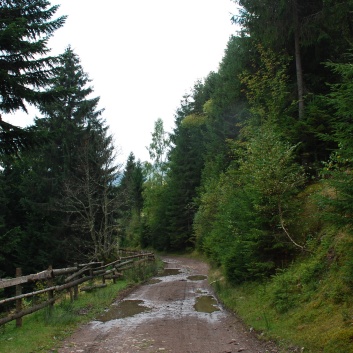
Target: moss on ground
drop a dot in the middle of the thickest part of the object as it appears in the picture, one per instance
(308, 305)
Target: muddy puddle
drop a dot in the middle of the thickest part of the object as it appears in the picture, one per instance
(206, 304)
(201, 291)
(126, 308)
(196, 278)
(170, 272)
(154, 281)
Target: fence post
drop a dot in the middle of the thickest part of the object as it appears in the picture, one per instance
(50, 283)
(103, 277)
(18, 301)
(91, 271)
(75, 293)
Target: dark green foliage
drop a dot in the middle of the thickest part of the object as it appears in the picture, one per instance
(249, 234)
(310, 33)
(324, 27)
(286, 292)
(14, 139)
(59, 163)
(339, 167)
(171, 188)
(235, 237)
(80, 165)
(224, 105)
(225, 181)
(184, 177)
(224, 109)
(131, 202)
(25, 69)
(60, 197)
(131, 184)
(90, 194)
(244, 216)
(154, 216)
(154, 191)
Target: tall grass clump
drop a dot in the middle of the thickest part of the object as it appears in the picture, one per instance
(141, 272)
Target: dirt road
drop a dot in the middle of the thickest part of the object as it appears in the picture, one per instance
(174, 313)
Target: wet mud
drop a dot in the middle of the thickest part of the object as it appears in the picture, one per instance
(170, 272)
(196, 278)
(154, 281)
(206, 304)
(175, 312)
(125, 308)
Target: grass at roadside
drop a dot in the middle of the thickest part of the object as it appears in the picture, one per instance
(306, 308)
(45, 329)
(42, 330)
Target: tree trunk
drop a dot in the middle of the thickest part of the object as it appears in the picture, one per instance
(298, 61)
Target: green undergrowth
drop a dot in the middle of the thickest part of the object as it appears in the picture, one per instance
(45, 329)
(308, 306)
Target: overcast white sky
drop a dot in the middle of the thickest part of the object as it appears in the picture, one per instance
(142, 56)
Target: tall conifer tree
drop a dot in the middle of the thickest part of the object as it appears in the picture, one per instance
(74, 166)
(26, 27)
(25, 64)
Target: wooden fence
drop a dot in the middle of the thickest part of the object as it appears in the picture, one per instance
(58, 280)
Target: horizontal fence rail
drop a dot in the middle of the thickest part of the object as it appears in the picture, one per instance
(54, 282)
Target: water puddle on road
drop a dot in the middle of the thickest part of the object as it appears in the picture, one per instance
(126, 308)
(206, 304)
(197, 278)
(154, 281)
(201, 291)
(170, 272)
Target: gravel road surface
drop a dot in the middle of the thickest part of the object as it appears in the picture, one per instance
(176, 312)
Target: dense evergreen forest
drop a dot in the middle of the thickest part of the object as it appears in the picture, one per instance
(249, 141)
(251, 138)
(256, 174)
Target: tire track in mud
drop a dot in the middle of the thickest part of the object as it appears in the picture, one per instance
(168, 321)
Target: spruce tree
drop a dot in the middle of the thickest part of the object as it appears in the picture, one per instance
(338, 169)
(131, 202)
(75, 166)
(81, 163)
(25, 63)
(186, 162)
(26, 27)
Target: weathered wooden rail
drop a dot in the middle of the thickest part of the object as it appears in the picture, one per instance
(58, 280)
